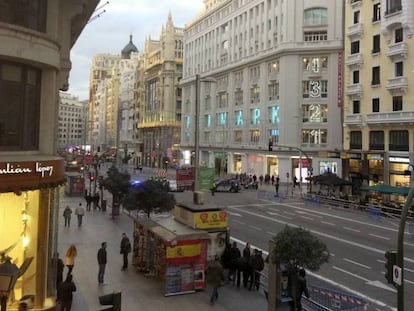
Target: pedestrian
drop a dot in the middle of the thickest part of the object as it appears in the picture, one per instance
(60, 266)
(65, 293)
(214, 276)
(295, 181)
(302, 288)
(96, 199)
(67, 213)
(257, 263)
(88, 202)
(125, 250)
(70, 255)
(80, 212)
(101, 263)
(277, 188)
(246, 264)
(235, 254)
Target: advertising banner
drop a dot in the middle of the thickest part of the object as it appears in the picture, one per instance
(210, 220)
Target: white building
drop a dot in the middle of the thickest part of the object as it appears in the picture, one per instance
(278, 71)
(72, 121)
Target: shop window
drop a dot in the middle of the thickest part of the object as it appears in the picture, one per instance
(376, 140)
(356, 140)
(399, 140)
(19, 107)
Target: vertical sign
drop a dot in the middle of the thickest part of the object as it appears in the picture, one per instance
(339, 96)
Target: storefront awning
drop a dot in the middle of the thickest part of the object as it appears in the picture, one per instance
(386, 189)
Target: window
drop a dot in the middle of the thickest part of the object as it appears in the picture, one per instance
(376, 39)
(355, 77)
(356, 106)
(221, 119)
(26, 13)
(399, 35)
(315, 36)
(238, 118)
(274, 135)
(399, 69)
(375, 105)
(20, 106)
(393, 6)
(274, 91)
(397, 103)
(238, 96)
(355, 47)
(375, 75)
(356, 17)
(255, 94)
(399, 140)
(376, 140)
(315, 16)
(255, 116)
(376, 14)
(355, 140)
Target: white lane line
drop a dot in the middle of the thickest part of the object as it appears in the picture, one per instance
(328, 223)
(356, 263)
(239, 222)
(289, 213)
(255, 228)
(408, 281)
(306, 217)
(408, 244)
(379, 237)
(407, 269)
(351, 229)
(271, 233)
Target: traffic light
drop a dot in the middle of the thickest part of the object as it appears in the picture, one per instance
(390, 261)
(91, 177)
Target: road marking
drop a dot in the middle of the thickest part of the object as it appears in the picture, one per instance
(328, 223)
(239, 222)
(289, 213)
(351, 229)
(235, 214)
(307, 217)
(356, 263)
(379, 236)
(256, 228)
(271, 233)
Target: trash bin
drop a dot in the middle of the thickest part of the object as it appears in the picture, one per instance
(103, 205)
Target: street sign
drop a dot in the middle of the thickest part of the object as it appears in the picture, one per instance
(396, 275)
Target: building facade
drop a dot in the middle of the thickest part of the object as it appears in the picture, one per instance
(277, 67)
(72, 122)
(36, 37)
(378, 103)
(159, 96)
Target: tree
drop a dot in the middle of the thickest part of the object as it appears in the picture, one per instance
(151, 196)
(298, 248)
(117, 184)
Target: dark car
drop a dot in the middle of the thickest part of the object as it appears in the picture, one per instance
(227, 185)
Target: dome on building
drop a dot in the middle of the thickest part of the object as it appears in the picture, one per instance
(128, 49)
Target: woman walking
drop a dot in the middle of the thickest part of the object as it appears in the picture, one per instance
(70, 255)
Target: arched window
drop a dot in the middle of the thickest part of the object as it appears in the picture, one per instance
(315, 16)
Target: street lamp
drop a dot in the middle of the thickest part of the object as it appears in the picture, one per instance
(9, 273)
(198, 81)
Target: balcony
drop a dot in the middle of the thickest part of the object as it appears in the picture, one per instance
(392, 117)
(353, 119)
(356, 30)
(397, 84)
(354, 60)
(397, 50)
(354, 90)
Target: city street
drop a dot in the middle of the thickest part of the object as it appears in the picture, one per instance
(357, 241)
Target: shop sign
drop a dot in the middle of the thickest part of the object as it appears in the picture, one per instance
(20, 175)
(374, 156)
(399, 160)
(210, 220)
(346, 155)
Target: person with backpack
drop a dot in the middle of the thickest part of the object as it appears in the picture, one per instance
(125, 250)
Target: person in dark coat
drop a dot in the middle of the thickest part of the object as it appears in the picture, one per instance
(101, 263)
(65, 293)
(301, 288)
(234, 257)
(89, 200)
(60, 266)
(257, 265)
(214, 276)
(125, 250)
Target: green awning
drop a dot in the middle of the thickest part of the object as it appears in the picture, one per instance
(387, 189)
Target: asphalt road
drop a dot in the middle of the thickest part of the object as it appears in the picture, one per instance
(357, 242)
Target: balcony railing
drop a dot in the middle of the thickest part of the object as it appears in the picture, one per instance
(353, 119)
(397, 84)
(399, 49)
(390, 117)
(355, 30)
(353, 89)
(354, 60)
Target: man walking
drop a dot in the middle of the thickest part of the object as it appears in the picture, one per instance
(214, 276)
(67, 213)
(301, 288)
(80, 212)
(65, 293)
(125, 250)
(101, 263)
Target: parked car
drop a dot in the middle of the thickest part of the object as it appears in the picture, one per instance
(227, 185)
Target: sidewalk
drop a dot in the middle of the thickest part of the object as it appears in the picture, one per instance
(138, 292)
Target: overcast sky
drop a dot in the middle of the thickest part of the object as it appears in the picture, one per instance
(110, 32)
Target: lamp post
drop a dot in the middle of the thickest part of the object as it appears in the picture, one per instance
(9, 274)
